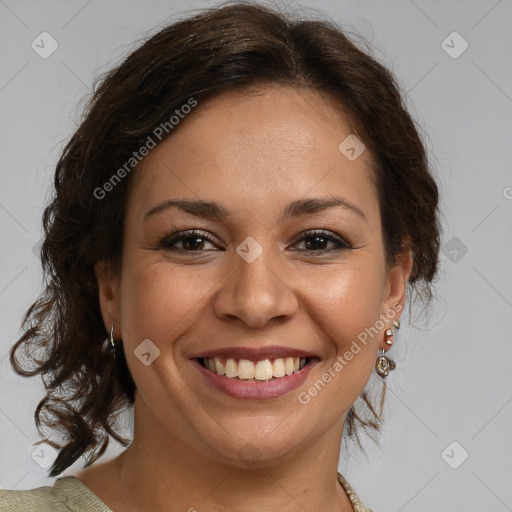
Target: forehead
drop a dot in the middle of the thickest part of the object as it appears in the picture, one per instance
(258, 149)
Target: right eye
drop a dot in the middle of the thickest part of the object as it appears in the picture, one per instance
(191, 240)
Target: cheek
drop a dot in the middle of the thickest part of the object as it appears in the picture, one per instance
(159, 300)
(347, 310)
(344, 303)
(157, 303)
(344, 307)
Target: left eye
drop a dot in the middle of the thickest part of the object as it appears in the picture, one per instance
(193, 240)
(318, 238)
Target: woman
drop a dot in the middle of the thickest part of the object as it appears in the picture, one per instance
(242, 211)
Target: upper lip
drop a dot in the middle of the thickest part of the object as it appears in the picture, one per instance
(270, 352)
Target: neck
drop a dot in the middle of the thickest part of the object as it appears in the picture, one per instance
(158, 470)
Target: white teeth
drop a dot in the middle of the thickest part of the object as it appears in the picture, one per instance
(231, 368)
(278, 368)
(262, 370)
(245, 369)
(219, 367)
(288, 365)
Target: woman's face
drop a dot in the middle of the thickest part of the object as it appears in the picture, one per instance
(264, 288)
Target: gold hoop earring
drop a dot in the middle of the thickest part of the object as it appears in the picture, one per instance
(111, 344)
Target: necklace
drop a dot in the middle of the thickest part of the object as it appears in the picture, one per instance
(357, 504)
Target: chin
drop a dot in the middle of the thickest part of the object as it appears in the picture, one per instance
(256, 442)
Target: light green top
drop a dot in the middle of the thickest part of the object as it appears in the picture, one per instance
(69, 494)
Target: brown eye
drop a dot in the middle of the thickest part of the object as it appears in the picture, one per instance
(192, 241)
(317, 240)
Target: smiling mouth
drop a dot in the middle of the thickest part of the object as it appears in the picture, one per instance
(263, 370)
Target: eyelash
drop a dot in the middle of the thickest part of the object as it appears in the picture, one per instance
(168, 241)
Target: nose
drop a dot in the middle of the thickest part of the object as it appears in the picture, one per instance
(256, 293)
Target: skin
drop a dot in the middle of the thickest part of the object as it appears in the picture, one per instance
(253, 153)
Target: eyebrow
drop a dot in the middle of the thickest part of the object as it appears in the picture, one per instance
(213, 210)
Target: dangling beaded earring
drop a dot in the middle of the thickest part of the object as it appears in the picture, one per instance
(384, 365)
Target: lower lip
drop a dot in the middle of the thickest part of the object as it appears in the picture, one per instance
(256, 390)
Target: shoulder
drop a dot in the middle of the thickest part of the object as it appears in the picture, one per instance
(40, 499)
(68, 494)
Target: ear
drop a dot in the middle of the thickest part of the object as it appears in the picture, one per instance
(396, 283)
(109, 297)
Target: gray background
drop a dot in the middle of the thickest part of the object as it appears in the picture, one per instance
(453, 382)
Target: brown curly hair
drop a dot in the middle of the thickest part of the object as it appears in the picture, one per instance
(219, 49)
